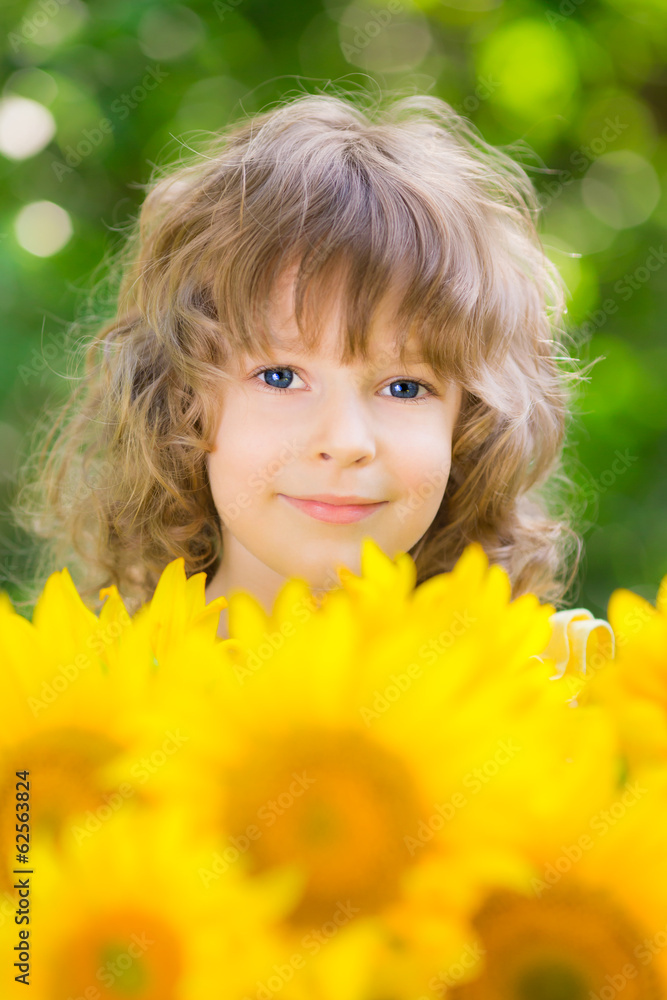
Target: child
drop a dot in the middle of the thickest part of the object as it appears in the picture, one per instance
(336, 321)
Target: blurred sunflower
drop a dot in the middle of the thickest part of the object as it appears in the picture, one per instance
(634, 687)
(403, 748)
(595, 924)
(125, 915)
(78, 692)
(394, 757)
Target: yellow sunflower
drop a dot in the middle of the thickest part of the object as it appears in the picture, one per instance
(396, 756)
(634, 687)
(594, 926)
(78, 692)
(125, 914)
(403, 750)
(177, 611)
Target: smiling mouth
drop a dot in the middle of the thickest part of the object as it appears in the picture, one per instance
(334, 513)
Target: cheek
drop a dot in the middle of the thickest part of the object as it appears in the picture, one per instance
(424, 459)
(243, 456)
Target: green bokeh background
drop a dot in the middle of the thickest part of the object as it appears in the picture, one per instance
(576, 88)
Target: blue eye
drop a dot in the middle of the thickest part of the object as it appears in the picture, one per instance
(412, 388)
(279, 378)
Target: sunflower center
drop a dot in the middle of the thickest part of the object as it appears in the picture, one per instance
(551, 981)
(336, 803)
(133, 978)
(570, 944)
(130, 952)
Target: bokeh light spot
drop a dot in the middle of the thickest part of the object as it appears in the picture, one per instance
(621, 189)
(534, 67)
(42, 228)
(169, 33)
(382, 40)
(26, 127)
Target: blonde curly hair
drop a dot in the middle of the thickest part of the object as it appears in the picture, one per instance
(384, 193)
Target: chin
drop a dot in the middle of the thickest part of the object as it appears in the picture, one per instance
(320, 574)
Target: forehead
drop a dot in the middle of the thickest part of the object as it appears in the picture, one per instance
(325, 316)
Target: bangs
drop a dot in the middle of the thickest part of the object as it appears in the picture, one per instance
(356, 230)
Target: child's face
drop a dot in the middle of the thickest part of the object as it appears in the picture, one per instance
(336, 430)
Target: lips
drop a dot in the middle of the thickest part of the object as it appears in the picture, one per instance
(334, 513)
(337, 499)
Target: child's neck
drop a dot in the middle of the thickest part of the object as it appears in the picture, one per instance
(217, 588)
(240, 570)
(224, 583)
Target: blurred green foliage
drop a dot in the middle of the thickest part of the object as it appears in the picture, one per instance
(579, 85)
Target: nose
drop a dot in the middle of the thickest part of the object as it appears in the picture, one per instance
(342, 428)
